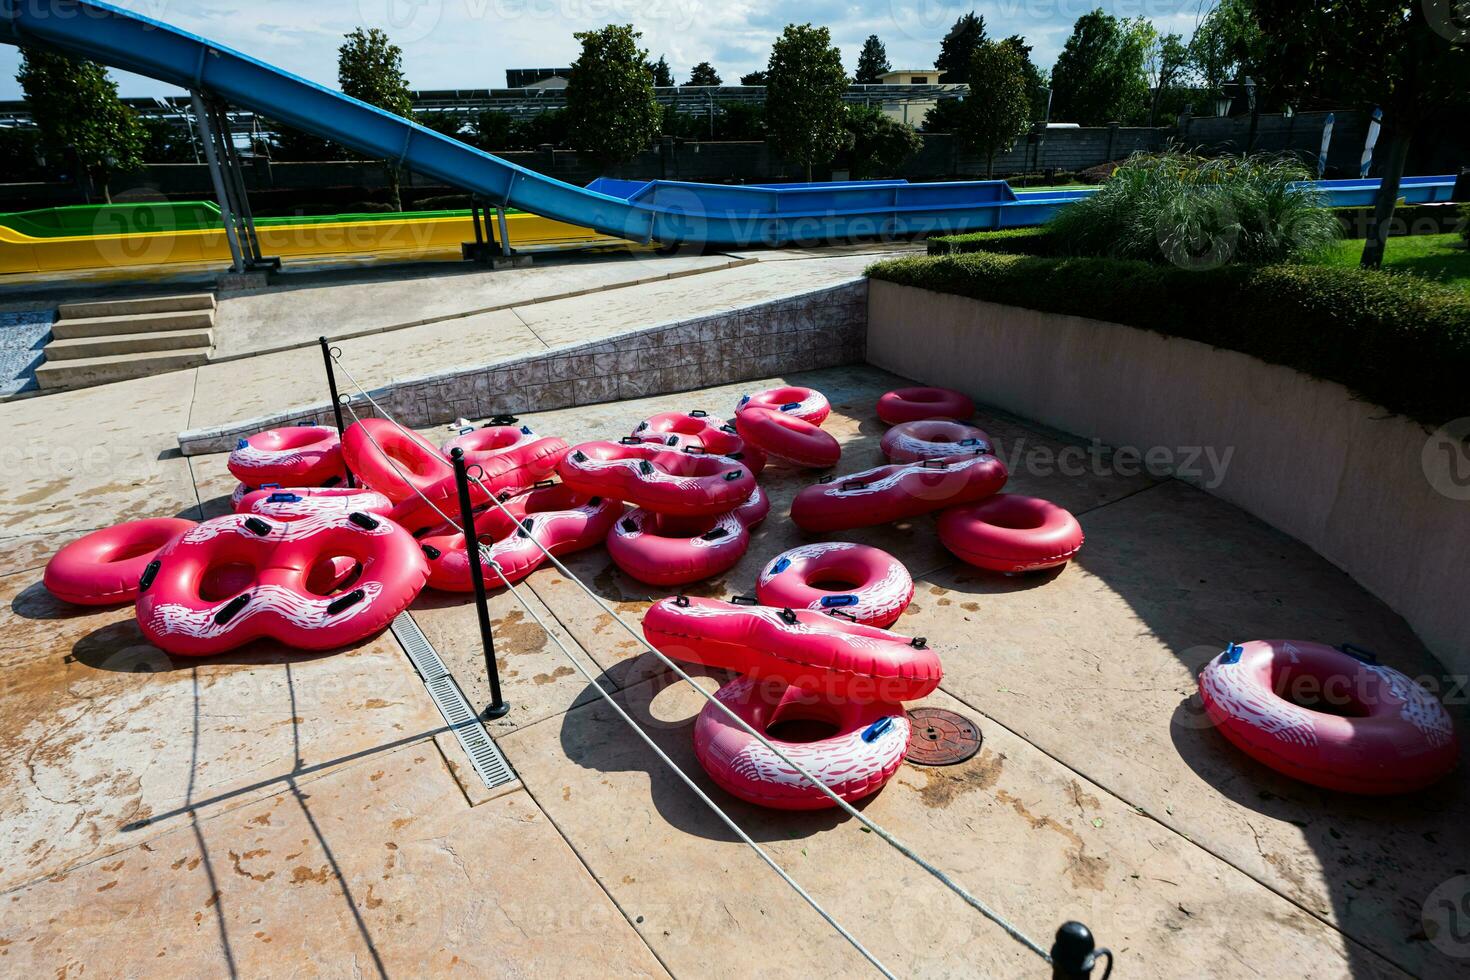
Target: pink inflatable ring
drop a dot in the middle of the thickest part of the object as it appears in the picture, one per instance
(864, 584)
(1010, 533)
(695, 432)
(664, 550)
(788, 437)
(896, 491)
(657, 478)
(861, 755)
(914, 404)
(807, 404)
(513, 457)
(1387, 734)
(298, 502)
(103, 568)
(298, 456)
(909, 442)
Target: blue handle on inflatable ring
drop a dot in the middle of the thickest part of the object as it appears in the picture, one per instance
(790, 405)
(527, 430)
(282, 498)
(780, 566)
(1232, 654)
(744, 399)
(242, 443)
(466, 430)
(847, 599)
(969, 442)
(878, 729)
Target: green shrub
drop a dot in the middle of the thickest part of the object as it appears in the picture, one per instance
(1397, 341)
(1199, 212)
(1006, 241)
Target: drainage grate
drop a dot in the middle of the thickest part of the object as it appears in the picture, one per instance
(452, 704)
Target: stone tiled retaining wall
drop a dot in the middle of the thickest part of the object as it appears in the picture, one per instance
(824, 328)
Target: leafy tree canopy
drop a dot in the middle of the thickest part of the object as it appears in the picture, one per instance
(663, 75)
(805, 80)
(704, 74)
(997, 110)
(879, 145)
(872, 62)
(753, 78)
(611, 112)
(958, 45)
(1099, 76)
(370, 69)
(75, 107)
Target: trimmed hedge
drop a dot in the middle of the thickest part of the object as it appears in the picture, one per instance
(1007, 241)
(1398, 341)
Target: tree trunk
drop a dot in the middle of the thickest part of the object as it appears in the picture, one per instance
(394, 200)
(1388, 195)
(990, 165)
(808, 171)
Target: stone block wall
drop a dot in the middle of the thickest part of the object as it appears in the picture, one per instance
(823, 328)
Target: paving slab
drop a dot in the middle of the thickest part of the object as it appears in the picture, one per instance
(299, 313)
(111, 738)
(86, 459)
(1017, 828)
(1096, 666)
(378, 869)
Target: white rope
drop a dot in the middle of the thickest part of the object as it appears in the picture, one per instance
(1010, 929)
(683, 776)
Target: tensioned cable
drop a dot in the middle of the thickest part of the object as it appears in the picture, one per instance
(1005, 925)
(485, 559)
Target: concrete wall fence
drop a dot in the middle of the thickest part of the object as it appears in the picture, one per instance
(1341, 475)
(824, 328)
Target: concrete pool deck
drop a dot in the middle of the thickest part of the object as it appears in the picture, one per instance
(240, 812)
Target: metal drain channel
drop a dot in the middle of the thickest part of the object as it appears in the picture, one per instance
(484, 754)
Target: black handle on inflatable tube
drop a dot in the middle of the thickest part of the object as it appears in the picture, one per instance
(1074, 954)
(497, 707)
(336, 399)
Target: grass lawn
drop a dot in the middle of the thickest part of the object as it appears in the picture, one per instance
(1428, 256)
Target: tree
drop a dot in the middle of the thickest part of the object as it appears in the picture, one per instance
(1167, 59)
(76, 108)
(943, 116)
(805, 82)
(704, 74)
(1372, 52)
(879, 145)
(449, 123)
(753, 78)
(293, 144)
(1036, 79)
(997, 109)
(611, 112)
(872, 62)
(370, 69)
(663, 75)
(1227, 44)
(967, 34)
(1099, 76)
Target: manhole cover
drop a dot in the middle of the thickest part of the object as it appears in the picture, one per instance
(941, 738)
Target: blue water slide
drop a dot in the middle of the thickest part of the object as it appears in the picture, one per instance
(660, 210)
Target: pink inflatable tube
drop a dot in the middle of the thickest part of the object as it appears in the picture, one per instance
(839, 578)
(555, 517)
(913, 404)
(1385, 734)
(806, 649)
(298, 456)
(788, 437)
(243, 577)
(856, 761)
(657, 478)
(897, 491)
(1011, 533)
(663, 550)
(298, 502)
(695, 432)
(532, 458)
(909, 442)
(807, 404)
(103, 568)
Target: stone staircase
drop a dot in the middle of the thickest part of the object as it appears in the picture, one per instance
(114, 340)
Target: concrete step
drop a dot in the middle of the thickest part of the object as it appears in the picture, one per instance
(87, 371)
(132, 323)
(133, 307)
(128, 343)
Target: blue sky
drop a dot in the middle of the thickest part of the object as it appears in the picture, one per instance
(470, 43)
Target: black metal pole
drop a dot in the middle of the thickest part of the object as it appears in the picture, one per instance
(336, 402)
(497, 707)
(1074, 954)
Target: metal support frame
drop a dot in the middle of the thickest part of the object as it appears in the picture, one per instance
(226, 173)
(490, 242)
(336, 400)
(497, 708)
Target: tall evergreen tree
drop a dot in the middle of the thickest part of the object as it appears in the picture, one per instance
(958, 46)
(76, 108)
(1099, 76)
(703, 74)
(663, 75)
(872, 62)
